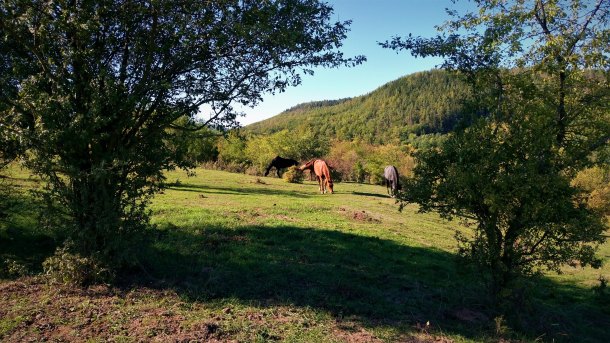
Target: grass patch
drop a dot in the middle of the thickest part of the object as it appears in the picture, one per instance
(234, 258)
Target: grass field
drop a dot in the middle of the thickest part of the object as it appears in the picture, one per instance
(240, 258)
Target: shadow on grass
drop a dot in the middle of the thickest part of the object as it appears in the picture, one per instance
(22, 242)
(26, 248)
(376, 195)
(376, 282)
(364, 278)
(185, 187)
(554, 311)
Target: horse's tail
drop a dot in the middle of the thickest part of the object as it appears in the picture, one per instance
(398, 187)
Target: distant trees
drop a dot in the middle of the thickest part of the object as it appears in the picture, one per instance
(351, 160)
(192, 142)
(422, 103)
(538, 113)
(93, 89)
(299, 145)
(362, 162)
(253, 153)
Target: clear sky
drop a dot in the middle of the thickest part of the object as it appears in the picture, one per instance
(372, 21)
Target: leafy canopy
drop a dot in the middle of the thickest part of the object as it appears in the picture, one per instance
(538, 113)
(93, 86)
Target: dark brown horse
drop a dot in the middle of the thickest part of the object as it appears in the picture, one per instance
(280, 163)
(322, 171)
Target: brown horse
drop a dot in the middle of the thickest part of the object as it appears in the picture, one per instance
(320, 168)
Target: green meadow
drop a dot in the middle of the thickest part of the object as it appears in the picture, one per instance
(234, 257)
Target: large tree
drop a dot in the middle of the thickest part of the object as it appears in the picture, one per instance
(93, 87)
(539, 113)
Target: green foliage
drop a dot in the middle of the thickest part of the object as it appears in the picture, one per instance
(527, 218)
(423, 142)
(10, 147)
(12, 268)
(70, 269)
(94, 88)
(361, 162)
(538, 113)
(350, 161)
(192, 143)
(421, 103)
(6, 200)
(595, 183)
(299, 145)
(232, 149)
(293, 175)
(254, 153)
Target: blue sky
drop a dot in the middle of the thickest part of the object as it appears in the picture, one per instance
(372, 21)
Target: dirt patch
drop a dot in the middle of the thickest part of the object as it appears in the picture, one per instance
(35, 311)
(361, 216)
(285, 218)
(44, 313)
(354, 333)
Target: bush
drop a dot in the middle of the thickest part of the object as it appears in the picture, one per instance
(293, 175)
(71, 269)
(336, 175)
(12, 268)
(595, 183)
(254, 171)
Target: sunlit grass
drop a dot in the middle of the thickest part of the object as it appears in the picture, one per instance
(268, 260)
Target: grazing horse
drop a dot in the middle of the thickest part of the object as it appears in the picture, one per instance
(322, 171)
(280, 163)
(392, 183)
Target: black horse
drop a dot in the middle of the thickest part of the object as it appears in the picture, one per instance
(280, 163)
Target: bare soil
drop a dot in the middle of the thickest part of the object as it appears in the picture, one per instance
(33, 311)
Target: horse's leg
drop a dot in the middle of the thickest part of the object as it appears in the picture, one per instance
(277, 170)
(324, 181)
(319, 178)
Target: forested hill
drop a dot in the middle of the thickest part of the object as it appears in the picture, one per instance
(424, 102)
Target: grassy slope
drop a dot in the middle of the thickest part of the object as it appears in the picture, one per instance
(234, 258)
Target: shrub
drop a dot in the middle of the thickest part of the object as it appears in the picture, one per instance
(595, 183)
(71, 269)
(12, 268)
(254, 171)
(336, 175)
(293, 175)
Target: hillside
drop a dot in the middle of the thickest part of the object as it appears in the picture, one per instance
(424, 102)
